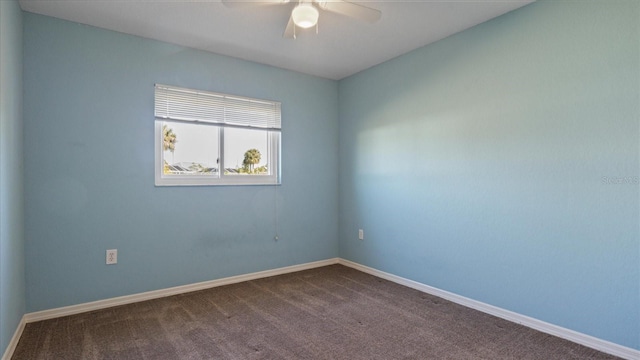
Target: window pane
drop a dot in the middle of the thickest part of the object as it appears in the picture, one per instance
(190, 149)
(246, 152)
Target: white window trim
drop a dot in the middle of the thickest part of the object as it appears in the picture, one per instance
(162, 179)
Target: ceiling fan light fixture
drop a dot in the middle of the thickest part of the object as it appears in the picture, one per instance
(305, 15)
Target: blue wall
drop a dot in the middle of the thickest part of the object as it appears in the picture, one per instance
(12, 267)
(502, 164)
(89, 170)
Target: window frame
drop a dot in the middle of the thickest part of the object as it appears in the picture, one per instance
(273, 156)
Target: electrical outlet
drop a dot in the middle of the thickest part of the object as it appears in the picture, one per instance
(361, 234)
(112, 256)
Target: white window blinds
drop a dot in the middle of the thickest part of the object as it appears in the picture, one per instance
(174, 103)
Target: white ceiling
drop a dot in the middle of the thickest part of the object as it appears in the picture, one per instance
(342, 47)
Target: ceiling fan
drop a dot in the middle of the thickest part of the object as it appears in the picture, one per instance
(305, 15)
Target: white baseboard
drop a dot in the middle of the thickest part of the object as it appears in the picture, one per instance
(8, 353)
(586, 340)
(574, 336)
(149, 295)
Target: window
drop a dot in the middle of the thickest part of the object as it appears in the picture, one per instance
(206, 138)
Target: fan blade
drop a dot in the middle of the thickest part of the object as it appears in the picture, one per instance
(246, 3)
(350, 9)
(289, 31)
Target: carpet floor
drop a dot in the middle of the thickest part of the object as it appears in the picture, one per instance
(332, 312)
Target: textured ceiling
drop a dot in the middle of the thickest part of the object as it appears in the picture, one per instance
(342, 47)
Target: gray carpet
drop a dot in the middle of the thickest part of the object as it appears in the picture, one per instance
(333, 312)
